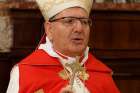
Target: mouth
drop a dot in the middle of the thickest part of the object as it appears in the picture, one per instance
(77, 40)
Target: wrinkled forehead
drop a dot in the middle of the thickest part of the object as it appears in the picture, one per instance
(72, 12)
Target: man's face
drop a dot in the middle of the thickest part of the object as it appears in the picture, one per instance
(69, 36)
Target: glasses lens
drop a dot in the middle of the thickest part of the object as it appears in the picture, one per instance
(70, 21)
(85, 21)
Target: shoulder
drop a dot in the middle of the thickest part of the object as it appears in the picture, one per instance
(38, 57)
(96, 65)
(38, 54)
(102, 74)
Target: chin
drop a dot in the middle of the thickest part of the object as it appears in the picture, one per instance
(78, 51)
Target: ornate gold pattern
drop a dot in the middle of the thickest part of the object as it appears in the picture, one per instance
(63, 75)
(76, 69)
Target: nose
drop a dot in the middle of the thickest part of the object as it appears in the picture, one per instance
(78, 26)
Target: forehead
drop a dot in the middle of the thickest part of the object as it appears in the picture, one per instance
(74, 11)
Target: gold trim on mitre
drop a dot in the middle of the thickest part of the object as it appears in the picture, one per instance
(50, 8)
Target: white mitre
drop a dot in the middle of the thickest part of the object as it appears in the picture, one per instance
(50, 8)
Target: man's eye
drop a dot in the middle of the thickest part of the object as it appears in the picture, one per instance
(85, 22)
(69, 21)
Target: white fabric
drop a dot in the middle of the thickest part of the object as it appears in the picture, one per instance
(57, 9)
(50, 8)
(14, 80)
(78, 85)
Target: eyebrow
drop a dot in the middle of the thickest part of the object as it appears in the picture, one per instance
(53, 19)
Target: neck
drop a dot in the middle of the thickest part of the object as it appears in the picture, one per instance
(67, 57)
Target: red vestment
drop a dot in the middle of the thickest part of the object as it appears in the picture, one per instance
(40, 71)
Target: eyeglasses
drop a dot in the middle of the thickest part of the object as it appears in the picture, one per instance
(70, 21)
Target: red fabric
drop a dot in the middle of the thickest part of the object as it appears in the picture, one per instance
(40, 71)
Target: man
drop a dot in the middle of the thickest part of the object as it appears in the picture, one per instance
(62, 64)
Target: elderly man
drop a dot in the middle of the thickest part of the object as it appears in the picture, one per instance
(62, 64)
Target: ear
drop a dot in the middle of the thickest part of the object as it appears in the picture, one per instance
(48, 29)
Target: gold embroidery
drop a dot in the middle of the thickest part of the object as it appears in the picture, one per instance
(67, 89)
(76, 69)
(39, 91)
(63, 74)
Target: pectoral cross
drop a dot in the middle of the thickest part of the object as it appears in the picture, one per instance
(76, 68)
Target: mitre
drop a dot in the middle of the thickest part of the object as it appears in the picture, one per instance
(50, 8)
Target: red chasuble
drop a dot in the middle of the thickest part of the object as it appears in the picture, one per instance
(39, 71)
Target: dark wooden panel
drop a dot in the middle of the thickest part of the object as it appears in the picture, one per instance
(129, 85)
(5, 68)
(116, 30)
(115, 40)
(27, 28)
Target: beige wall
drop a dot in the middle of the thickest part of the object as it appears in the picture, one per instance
(6, 32)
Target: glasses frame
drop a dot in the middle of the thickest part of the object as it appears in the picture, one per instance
(78, 18)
